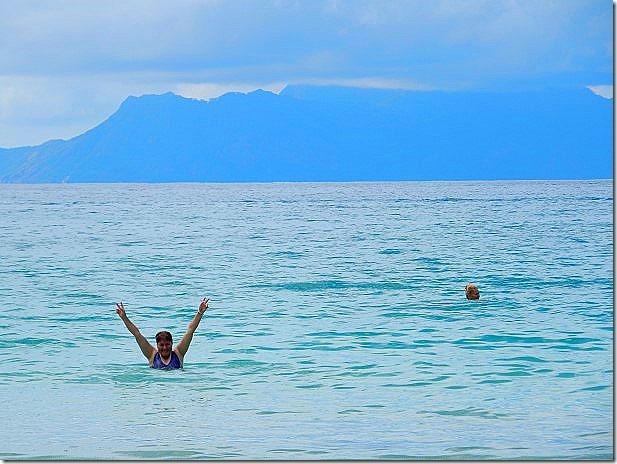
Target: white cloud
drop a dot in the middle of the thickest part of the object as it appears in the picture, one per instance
(207, 91)
(368, 82)
(605, 91)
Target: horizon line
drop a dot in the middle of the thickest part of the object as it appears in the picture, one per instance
(598, 179)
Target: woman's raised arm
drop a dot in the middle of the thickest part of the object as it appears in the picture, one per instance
(183, 346)
(146, 348)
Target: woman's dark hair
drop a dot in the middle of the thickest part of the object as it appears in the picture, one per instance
(163, 335)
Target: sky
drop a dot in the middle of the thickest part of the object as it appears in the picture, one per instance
(67, 65)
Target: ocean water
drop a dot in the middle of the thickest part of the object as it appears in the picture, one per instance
(338, 326)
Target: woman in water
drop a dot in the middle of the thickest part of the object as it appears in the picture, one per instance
(163, 357)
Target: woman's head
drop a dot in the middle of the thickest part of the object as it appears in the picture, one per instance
(163, 335)
(164, 342)
(472, 292)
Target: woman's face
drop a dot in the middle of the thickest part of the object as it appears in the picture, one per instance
(164, 347)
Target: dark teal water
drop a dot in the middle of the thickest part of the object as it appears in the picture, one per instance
(338, 326)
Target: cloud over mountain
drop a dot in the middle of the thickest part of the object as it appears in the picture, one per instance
(66, 64)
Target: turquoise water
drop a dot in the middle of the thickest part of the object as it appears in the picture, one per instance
(338, 326)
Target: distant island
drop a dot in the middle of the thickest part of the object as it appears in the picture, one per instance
(316, 134)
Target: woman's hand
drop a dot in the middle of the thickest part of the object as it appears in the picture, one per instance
(203, 305)
(120, 310)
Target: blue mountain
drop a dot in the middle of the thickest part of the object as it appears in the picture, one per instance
(311, 133)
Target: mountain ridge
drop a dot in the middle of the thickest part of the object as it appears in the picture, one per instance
(311, 133)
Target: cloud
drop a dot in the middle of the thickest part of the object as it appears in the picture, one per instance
(605, 91)
(34, 109)
(72, 61)
(275, 40)
(369, 82)
(207, 91)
